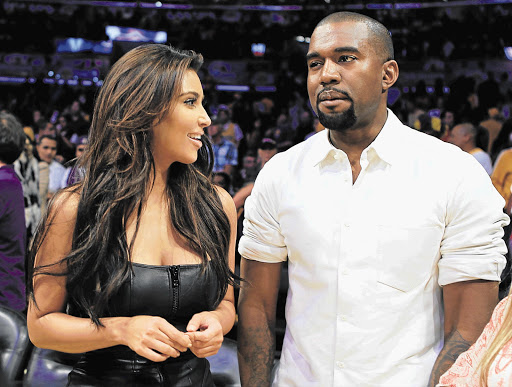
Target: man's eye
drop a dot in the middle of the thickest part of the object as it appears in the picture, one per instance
(314, 64)
(347, 58)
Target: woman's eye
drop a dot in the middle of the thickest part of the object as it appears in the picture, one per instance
(191, 101)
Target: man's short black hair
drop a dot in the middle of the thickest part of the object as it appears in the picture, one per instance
(379, 34)
(48, 136)
(12, 138)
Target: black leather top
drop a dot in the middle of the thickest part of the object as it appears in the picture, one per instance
(175, 293)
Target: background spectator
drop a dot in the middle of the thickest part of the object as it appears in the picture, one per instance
(465, 136)
(225, 152)
(12, 216)
(51, 171)
(27, 169)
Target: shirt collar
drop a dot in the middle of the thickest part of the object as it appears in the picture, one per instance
(323, 147)
(387, 142)
(385, 145)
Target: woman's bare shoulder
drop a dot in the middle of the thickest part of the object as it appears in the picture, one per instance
(227, 201)
(64, 205)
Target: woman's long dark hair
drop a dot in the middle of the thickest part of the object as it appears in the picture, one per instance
(138, 92)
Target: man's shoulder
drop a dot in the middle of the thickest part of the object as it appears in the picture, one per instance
(10, 184)
(9, 178)
(423, 152)
(423, 145)
(291, 161)
(299, 152)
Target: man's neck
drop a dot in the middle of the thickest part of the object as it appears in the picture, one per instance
(470, 148)
(354, 140)
(473, 150)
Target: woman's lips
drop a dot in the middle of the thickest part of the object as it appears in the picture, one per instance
(197, 143)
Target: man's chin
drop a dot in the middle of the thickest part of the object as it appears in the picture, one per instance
(338, 121)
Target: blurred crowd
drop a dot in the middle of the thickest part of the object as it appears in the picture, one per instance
(459, 31)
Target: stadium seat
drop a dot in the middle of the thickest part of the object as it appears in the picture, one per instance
(14, 345)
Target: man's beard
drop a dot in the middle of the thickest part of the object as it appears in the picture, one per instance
(339, 121)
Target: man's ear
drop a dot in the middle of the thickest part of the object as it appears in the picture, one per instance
(389, 74)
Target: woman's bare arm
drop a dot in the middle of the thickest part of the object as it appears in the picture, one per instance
(207, 329)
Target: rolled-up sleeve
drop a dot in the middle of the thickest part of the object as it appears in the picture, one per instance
(473, 246)
(262, 239)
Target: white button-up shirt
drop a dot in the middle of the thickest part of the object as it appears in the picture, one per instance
(366, 261)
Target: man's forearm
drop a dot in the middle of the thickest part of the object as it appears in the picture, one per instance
(256, 352)
(454, 345)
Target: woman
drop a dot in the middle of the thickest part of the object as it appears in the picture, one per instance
(487, 362)
(134, 264)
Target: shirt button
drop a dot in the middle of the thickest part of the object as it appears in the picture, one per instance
(344, 272)
(343, 318)
(347, 225)
(340, 364)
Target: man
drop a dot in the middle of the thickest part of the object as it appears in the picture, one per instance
(383, 229)
(12, 216)
(51, 171)
(248, 171)
(464, 135)
(64, 146)
(231, 131)
(266, 150)
(224, 151)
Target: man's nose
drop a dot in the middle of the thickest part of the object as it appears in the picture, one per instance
(330, 73)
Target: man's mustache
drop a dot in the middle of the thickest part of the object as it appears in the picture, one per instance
(330, 93)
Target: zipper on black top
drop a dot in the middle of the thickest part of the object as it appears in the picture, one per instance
(175, 283)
